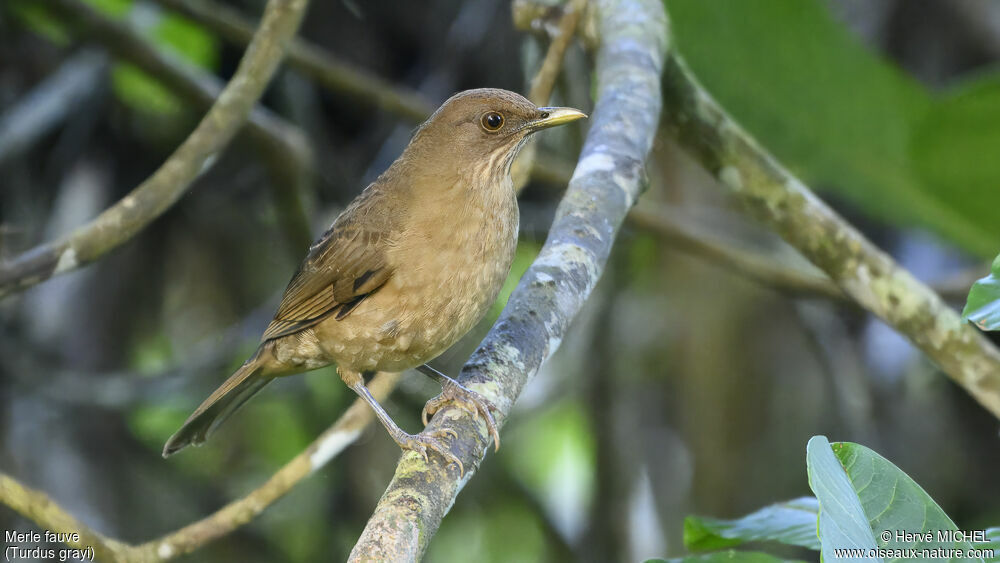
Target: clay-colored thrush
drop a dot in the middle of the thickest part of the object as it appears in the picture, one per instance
(408, 268)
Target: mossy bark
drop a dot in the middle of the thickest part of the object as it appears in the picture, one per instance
(864, 272)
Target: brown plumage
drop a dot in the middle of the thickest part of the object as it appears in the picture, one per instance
(408, 268)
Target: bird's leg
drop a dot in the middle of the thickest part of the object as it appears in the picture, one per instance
(419, 442)
(454, 392)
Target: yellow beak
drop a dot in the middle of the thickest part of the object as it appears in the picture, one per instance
(556, 116)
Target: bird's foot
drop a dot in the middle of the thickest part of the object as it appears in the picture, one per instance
(453, 392)
(424, 441)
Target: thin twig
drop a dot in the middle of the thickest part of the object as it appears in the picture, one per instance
(607, 181)
(544, 82)
(283, 147)
(863, 271)
(334, 74)
(150, 199)
(687, 236)
(39, 508)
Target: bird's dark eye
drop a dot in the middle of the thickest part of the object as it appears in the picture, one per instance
(492, 121)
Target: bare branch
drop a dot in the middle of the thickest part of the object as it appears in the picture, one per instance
(42, 510)
(310, 60)
(38, 507)
(685, 236)
(282, 146)
(123, 220)
(607, 180)
(863, 271)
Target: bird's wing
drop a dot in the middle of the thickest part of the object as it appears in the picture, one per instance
(343, 268)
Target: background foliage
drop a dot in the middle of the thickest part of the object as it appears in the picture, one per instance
(684, 389)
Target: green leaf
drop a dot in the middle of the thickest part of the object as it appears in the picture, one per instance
(950, 150)
(552, 454)
(526, 253)
(867, 502)
(842, 520)
(181, 38)
(36, 18)
(983, 305)
(730, 556)
(993, 535)
(185, 38)
(839, 116)
(117, 9)
(277, 427)
(792, 522)
(153, 424)
(137, 89)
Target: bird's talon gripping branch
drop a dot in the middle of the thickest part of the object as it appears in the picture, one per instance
(454, 392)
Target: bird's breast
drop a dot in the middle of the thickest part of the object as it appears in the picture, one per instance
(451, 268)
(449, 262)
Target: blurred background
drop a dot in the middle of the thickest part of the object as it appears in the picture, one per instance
(687, 386)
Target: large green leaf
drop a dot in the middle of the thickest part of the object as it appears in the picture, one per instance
(955, 148)
(983, 305)
(842, 519)
(895, 512)
(730, 556)
(839, 116)
(993, 535)
(792, 522)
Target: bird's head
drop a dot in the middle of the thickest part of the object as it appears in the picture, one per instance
(486, 128)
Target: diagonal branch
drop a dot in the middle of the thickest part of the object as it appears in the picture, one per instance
(149, 200)
(38, 507)
(863, 271)
(607, 180)
(282, 146)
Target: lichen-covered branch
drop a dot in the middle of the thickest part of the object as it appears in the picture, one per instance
(150, 199)
(608, 178)
(39, 508)
(863, 271)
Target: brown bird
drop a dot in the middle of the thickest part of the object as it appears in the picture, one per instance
(409, 267)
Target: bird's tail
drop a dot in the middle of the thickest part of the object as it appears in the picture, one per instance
(224, 401)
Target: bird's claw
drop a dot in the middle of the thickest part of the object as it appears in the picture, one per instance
(420, 443)
(454, 392)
